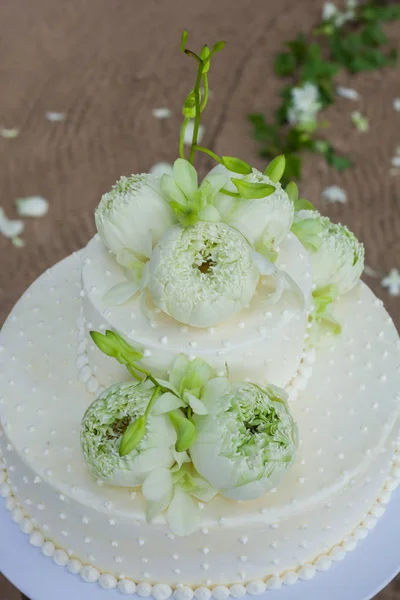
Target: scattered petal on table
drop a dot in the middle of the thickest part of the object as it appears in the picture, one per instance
(370, 272)
(347, 93)
(9, 133)
(161, 168)
(189, 133)
(18, 242)
(10, 228)
(392, 282)
(396, 161)
(334, 193)
(161, 113)
(396, 104)
(32, 206)
(361, 123)
(55, 116)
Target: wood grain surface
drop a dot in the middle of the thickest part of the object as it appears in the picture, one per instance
(106, 64)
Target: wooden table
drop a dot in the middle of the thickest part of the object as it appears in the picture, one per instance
(106, 65)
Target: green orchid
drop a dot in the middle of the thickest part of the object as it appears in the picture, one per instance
(189, 201)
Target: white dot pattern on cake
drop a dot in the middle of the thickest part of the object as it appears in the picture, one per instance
(273, 532)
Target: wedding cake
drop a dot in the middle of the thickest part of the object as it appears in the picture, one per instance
(205, 400)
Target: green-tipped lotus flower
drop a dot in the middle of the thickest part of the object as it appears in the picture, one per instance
(247, 440)
(337, 257)
(264, 222)
(120, 407)
(202, 275)
(132, 217)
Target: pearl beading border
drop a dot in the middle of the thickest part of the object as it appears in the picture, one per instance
(85, 374)
(160, 591)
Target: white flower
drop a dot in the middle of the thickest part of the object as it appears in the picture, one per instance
(55, 116)
(265, 221)
(161, 168)
(305, 105)
(392, 282)
(396, 104)
(177, 490)
(337, 257)
(361, 123)
(329, 11)
(10, 228)
(189, 133)
(334, 193)
(247, 441)
(202, 275)
(161, 113)
(133, 215)
(348, 93)
(32, 206)
(104, 424)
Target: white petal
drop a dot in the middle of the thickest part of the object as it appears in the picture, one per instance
(264, 266)
(161, 168)
(215, 388)
(9, 133)
(165, 403)
(189, 133)
(10, 228)
(334, 193)
(32, 206)
(54, 116)
(396, 104)
(185, 176)
(157, 485)
(195, 404)
(183, 513)
(161, 113)
(180, 458)
(120, 293)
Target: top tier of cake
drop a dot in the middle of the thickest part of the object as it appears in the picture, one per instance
(264, 342)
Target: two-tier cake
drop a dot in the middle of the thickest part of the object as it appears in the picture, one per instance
(204, 400)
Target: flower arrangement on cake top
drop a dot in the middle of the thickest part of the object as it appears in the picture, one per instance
(199, 252)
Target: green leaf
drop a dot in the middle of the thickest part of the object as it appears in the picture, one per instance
(252, 191)
(276, 168)
(218, 46)
(303, 204)
(292, 191)
(132, 436)
(205, 55)
(236, 165)
(285, 64)
(293, 166)
(106, 345)
(130, 353)
(184, 39)
(298, 48)
(185, 430)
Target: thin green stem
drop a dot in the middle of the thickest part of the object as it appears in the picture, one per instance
(198, 113)
(205, 96)
(152, 400)
(182, 137)
(133, 373)
(209, 152)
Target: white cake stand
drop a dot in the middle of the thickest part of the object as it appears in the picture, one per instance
(360, 576)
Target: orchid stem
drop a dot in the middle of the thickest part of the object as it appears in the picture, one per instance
(209, 152)
(198, 112)
(205, 88)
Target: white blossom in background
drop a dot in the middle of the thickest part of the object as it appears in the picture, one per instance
(10, 228)
(189, 133)
(161, 168)
(347, 93)
(54, 116)
(32, 206)
(360, 123)
(396, 162)
(17, 242)
(162, 113)
(334, 193)
(396, 104)
(305, 105)
(370, 272)
(329, 11)
(392, 282)
(9, 133)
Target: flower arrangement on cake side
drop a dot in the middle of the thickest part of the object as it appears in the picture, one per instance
(198, 253)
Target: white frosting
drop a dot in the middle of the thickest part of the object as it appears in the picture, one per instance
(264, 342)
(319, 512)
